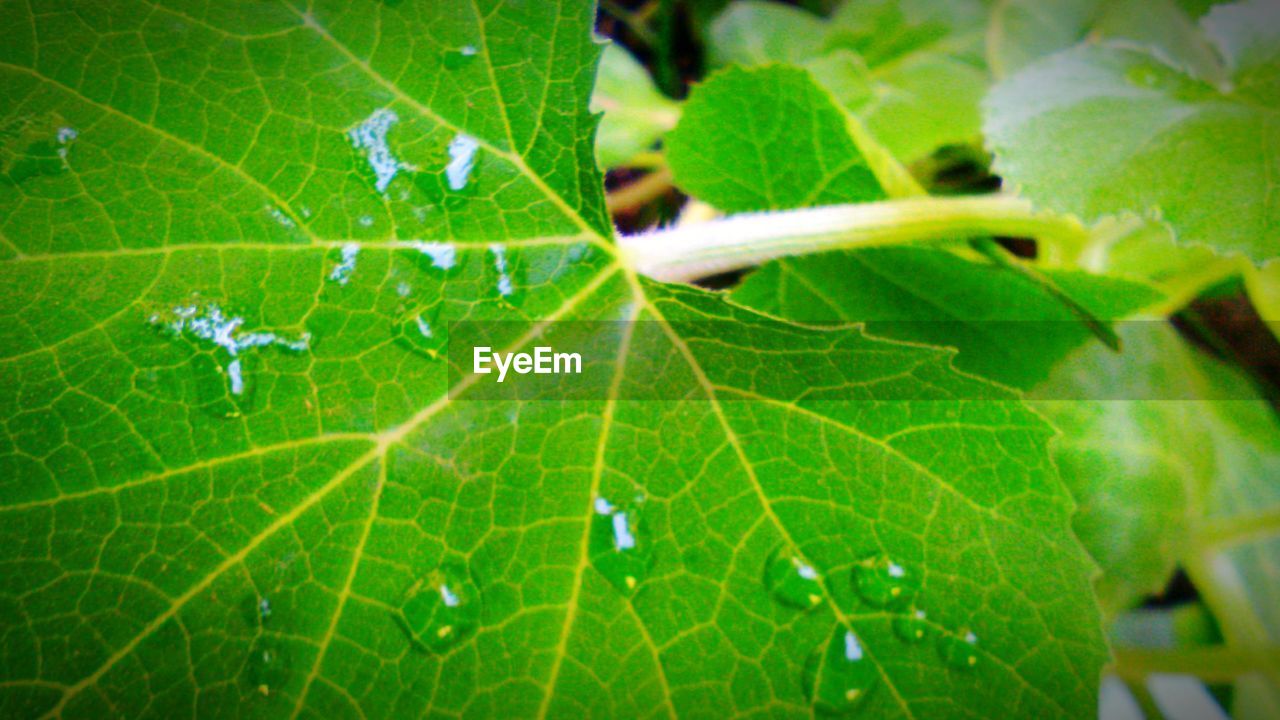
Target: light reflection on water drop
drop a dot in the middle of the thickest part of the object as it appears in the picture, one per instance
(617, 544)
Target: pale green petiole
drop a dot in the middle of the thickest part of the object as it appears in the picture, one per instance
(689, 252)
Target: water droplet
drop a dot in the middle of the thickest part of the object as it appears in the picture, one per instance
(279, 216)
(442, 609)
(883, 582)
(460, 58)
(578, 252)
(421, 330)
(1170, 81)
(207, 324)
(34, 146)
(268, 668)
(1143, 75)
(370, 137)
(462, 154)
(66, 135)
(342, 271)
(792, 580)
(506, 263)
(912, 627)
(443, 255)
(838, 676)
(959, 651)
(617, 545)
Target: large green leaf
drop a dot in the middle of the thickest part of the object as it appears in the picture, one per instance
(1100, 129)
(1023, 31)
(1133, 504)
(233, 480)
(1199, 452)
(758, 32)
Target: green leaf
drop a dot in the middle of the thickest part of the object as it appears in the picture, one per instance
(1134, 504)
(1263, 286)
(913, 106)
(1104, 129)
(1185, 480)
(636, 115)
(767, 138)
(234, 480)
(887, 31)
(1005, 327)
(906, 69)
(1023, 31)
(758, 32)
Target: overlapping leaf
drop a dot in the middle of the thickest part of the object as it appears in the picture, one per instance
(1101, 129)
(910, 71)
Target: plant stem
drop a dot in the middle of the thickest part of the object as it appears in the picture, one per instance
(687, 253)
(1212, 664)
(1250, 527)
(640, 192)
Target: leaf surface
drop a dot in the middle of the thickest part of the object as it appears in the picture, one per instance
(908, 70)
(767, 138)
(636, 115)
(1101, 129)
(234, 481)
(1006, 327)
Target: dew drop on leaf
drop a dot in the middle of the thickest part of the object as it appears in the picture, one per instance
(460, 58)
(912, 627)
(509, 270)
(959, 651)
(268, 667)
(345, 264)
(838, 676)
(369, 139)
(442, 609)
(256, 610)
(443, 256)
(618, 547)
(35, 147)
(792, 580)
(883, 582)
(462, 157)
(224, 346)
(421, 330)
(1143, 75)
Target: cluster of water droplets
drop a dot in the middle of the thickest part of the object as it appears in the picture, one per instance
(446, 179)
(33, 147)
(346, 266)
(268, 666)
(206, 323)
(839, 676)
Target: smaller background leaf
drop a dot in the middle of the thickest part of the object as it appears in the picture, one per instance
(635, 113)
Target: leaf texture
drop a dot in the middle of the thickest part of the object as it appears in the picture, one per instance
(233, 481)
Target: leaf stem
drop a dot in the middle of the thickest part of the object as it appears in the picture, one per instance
(1239, 529)
(1212, 664)
(687, 253)
(640, 192)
